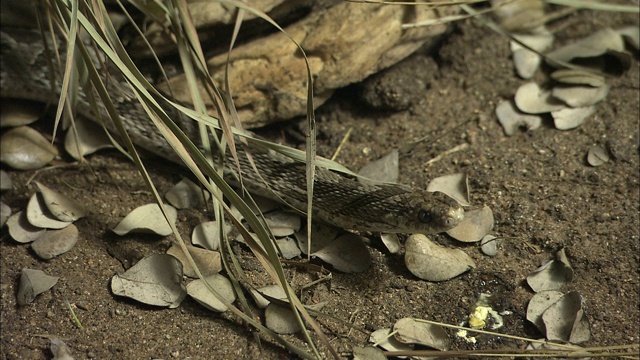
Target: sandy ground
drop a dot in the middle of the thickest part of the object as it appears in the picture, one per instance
(543, 194)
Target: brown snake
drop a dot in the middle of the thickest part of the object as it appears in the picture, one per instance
(339, 199)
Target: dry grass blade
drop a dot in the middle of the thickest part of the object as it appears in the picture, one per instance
(596, 5)
(106, 40)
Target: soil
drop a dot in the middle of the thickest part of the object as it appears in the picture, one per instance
(542, 192)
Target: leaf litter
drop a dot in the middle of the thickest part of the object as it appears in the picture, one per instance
(207, 261)
(147, 219)
(571, 98)
(199, 291)
(33, 283)
(24, 148)
(187, 195)
(154, 280)
(560, 316)
(55, 242)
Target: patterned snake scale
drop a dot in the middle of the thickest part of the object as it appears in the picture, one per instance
(339, 199)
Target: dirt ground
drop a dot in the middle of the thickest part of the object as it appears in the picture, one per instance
(543, 194)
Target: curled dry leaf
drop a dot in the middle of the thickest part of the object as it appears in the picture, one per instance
(594, 45)
(476, 224)
(559, 316)
(526, 61)
(382, 338)
(39, 215)
(580, 96)
(571, 118)
(538, 304)
(513, 119)
(32, 283)
(207, 235)
(207, 261)
(281, 319)
(519, 16)
(24, 148)
(187, 195)
(288, 248)
(552, 275)
(566, 321)
(5, 181)
(531, 99)
(274, 291)
(59, 349)
(18, 112)
(632, 36)
(147, 219)
(258, 204)
(578, 77)
(414, 331)
(154, 280)
(432, 262)
(55, 242)
(199, 291)
(62, 207)
(321, 236)
(385, 169)
(282, 223)
(455, 186)
(5, 213)
(597, 155)
(21, 230)
(368, 353)
(86, 138)
(347, 253)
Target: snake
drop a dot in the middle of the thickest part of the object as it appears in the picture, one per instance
(339, 199)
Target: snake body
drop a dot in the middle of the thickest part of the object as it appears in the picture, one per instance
(339, 199)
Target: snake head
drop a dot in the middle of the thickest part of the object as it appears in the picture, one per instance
(429, 213)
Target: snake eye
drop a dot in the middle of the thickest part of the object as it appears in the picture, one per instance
(424, 216)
